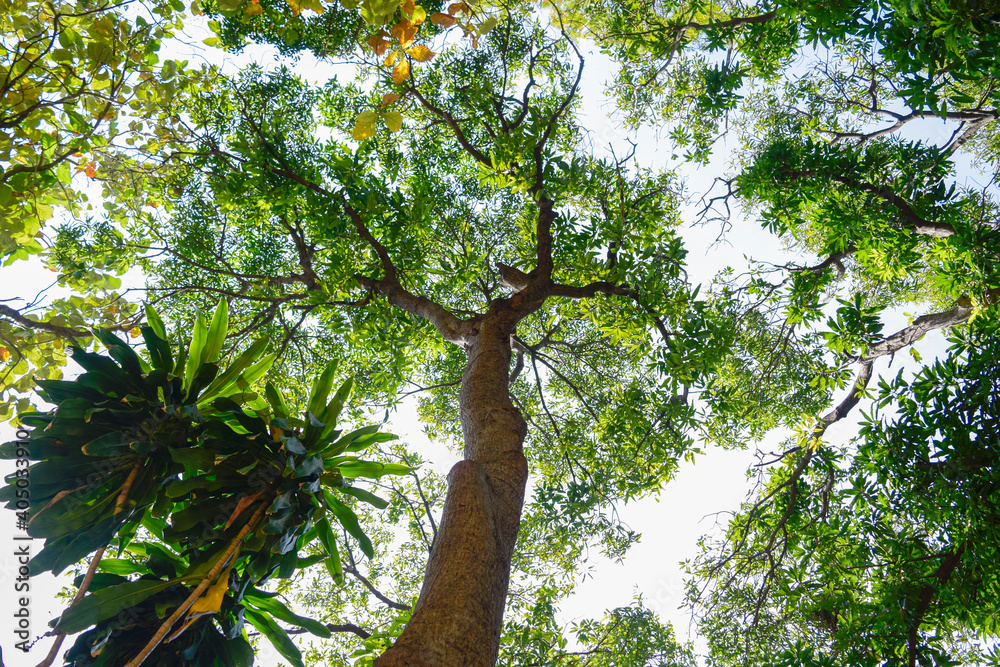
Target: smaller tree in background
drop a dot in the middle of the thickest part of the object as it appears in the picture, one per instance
(81, 84)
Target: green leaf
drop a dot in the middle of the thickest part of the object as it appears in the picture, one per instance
(278, 610)
(216, 332)
(332, 412)
(119, 566)
(97, 606)
(371, 469)
(349, 520)
(276, 401)
(229, 377)
(321, 389)
(367, 497)
(158, 348)
(366, 441)
(257, 370)
(196, 457)
(195, 351)
(341, 445)
(155, 323)
(393, 120)
(278, 637)
(109, 444)
(326, 536)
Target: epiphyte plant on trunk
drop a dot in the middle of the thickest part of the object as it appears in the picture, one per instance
(203, 487)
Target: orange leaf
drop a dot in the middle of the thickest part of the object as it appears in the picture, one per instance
(421, 53)
(240, 506)
(442, 20)
(401, 71)
(457, 7)
(4, 354)
(389, 98)
(408, 6)
(91, 169)
(404, 31)
(379, 42)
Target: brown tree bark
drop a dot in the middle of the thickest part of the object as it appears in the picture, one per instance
(458, 617)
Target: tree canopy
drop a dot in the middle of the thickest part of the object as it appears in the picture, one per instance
(436, 221)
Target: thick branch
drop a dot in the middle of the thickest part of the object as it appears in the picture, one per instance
(852, 399)
(63, 332)
(959, 313)
(513, 279)
(909, 215)
(448, 325)
(941, 576)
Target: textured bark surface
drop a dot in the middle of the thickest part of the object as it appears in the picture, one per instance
(458, 617)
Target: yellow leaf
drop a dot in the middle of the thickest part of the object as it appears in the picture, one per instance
(421, 53)
(407, 6)
(487, 25)
(418, 16)
(209, 603)
(389, 98)
(364, 125)
(253, 10)
(299, 5)
(392, 58)
(134, 332)
(4, 354)
(401, 72)
(394, 120)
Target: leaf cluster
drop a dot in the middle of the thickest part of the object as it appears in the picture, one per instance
(197, 480)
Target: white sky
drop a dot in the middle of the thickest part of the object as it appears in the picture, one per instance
(670, 525)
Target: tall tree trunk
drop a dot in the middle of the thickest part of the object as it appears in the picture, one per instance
(458, 617)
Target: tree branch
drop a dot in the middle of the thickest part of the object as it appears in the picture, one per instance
(374, 591)
(910, 217)
(959, 313)
(63, 332)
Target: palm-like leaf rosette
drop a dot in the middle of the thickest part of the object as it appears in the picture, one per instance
(202, 486)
